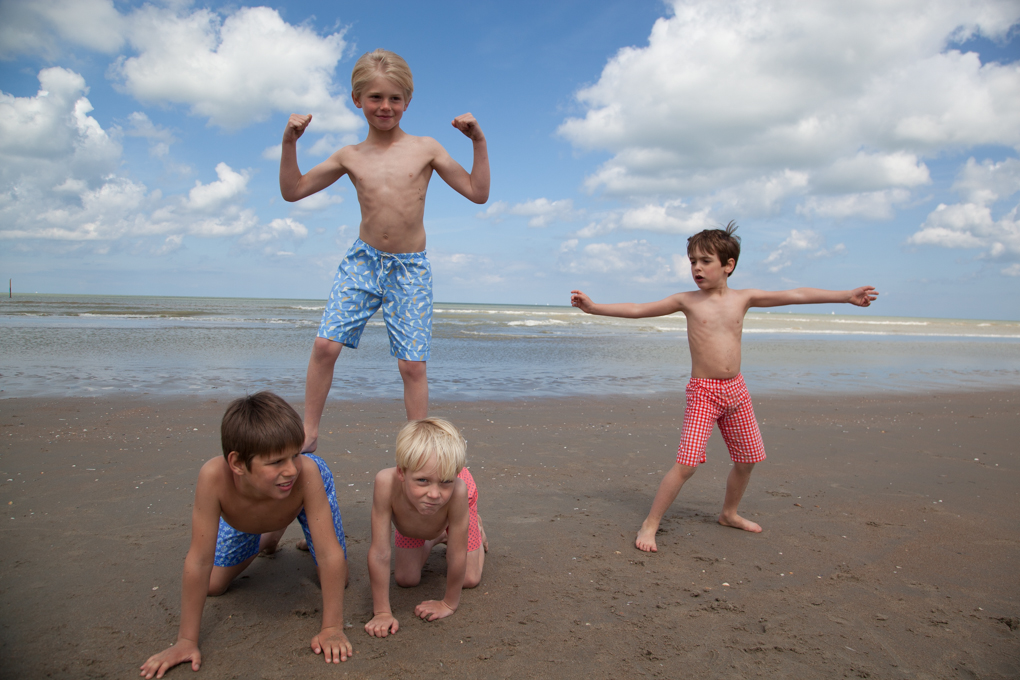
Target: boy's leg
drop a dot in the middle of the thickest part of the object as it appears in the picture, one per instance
(232, 545)
(736, 484)
(416, 389)
(740, 431)
(664, 497)
(317, 383)
(408, 564)
(476, 560)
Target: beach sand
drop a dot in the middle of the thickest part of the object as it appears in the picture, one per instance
(890, 545)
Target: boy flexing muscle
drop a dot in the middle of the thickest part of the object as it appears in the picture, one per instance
(387, 265)
(716, 392)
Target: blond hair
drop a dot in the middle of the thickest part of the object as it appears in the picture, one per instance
(388, 64)
(420, 439)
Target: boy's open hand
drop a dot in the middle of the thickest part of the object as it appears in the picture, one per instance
(580, 300)
(433, 610)
(863, 296)
(184, 650)
(296, 126)
(467, 124)
(333, 644)
(382, 625)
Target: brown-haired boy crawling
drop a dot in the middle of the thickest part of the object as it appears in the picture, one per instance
(716, 392)
(244, 502)
(386, 266)
(430, 497)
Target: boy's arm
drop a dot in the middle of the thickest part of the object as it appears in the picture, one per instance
(629, 310)
(332, 567)
(293, 185)
(382, 623)
(862, 297)
(456, 559)
(474, 187)
(205, 519)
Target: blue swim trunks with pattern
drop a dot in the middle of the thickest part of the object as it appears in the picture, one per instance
(234, 547)
(401, 283)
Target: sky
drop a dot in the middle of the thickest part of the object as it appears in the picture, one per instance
(866, 143)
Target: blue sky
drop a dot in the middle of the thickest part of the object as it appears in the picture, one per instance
(855, 143)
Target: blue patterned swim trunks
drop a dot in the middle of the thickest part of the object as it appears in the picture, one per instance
(234, 547)
(401, 283)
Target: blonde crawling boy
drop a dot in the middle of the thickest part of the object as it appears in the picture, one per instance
(386, 266)
(430, 498)
(716, 392)
(244, 502)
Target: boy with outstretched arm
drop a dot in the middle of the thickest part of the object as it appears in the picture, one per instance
(387, 265)
(430, 498)
(244, 502)
(716, 392)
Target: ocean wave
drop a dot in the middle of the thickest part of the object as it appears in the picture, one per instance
(532, 322)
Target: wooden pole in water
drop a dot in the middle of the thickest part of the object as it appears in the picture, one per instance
(10, 288)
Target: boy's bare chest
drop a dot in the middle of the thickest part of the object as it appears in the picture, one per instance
(260, 517)
(414, 525)
(392, 170)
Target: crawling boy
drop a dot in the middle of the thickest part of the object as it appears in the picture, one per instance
(387, 265)
(430, 497)
(244, 502)
(716, 392)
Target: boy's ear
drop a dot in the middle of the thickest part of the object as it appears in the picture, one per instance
(400, 475)
(730, 265)
(234, 461)
(356, 100)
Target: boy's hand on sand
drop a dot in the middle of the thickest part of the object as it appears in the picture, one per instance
(296, 126)
(382, 625)
(433, 610)
(467, 124)
(863, 296)
(580, 300)
(184, 650)
(332, 644)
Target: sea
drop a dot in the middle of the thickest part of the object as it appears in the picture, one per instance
(92, 345)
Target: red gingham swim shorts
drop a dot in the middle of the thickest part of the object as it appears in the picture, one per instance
(474, 535)
(725, 402)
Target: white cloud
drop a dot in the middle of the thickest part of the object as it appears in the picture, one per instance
(541, 211)
(988, 182)
(874, 205)
(670, 217)
(800, 245)
(59, 181)
(159, 137)
(748, 104)
(1012, 270)
(971, 226)
(34, 26)
(317, 202)
(237, 70)
(636, 261)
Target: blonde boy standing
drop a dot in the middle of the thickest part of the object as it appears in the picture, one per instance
(387, 265)
(716, 392)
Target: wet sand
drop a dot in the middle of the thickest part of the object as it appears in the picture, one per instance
(890, 544)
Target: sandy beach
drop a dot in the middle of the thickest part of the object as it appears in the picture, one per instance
(890, 544)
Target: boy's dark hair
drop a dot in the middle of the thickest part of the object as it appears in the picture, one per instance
(258, 425)
(724, 244)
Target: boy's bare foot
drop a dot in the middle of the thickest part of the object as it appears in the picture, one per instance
(738, 522)
(485, 539)
(646, 537)
(302, 545)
